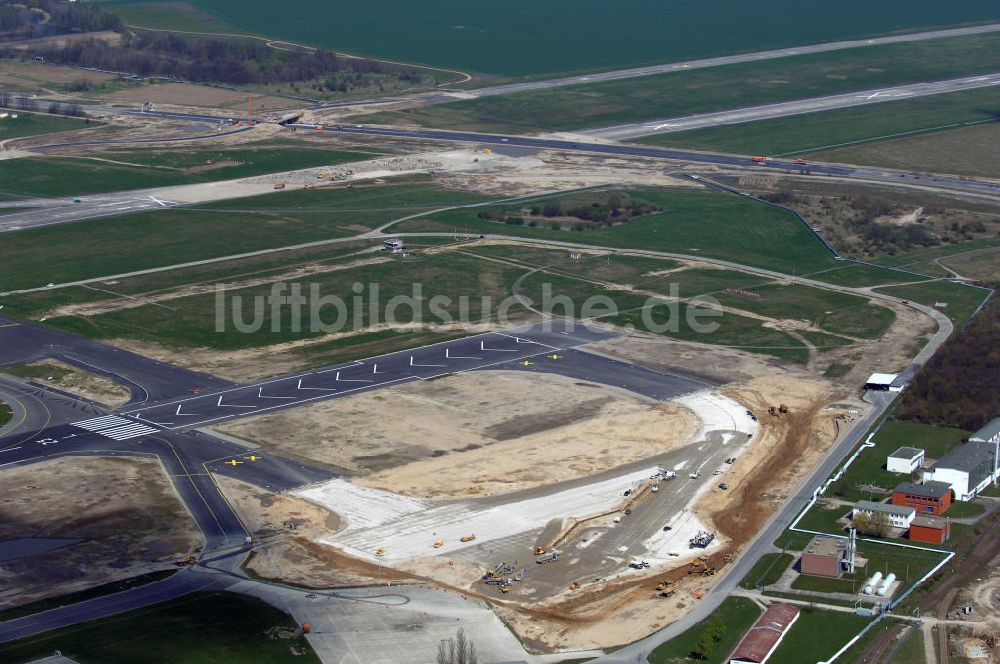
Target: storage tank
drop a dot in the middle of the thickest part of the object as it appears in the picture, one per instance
(884, 588)
(872, 584)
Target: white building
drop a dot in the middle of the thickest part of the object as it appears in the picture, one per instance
(884, 382)
(905, 460)
(393, 246)
(968, 468)
(900, 516)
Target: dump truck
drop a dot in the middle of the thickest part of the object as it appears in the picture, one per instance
(467, 538)
(574, 586)
(438, 544)
(538, 550)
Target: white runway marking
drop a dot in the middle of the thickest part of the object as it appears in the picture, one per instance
(115, 427)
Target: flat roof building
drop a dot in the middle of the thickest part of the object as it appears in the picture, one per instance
(393, 246)
(824, 556)
(905, 460)
(761, 640)
(900, 516)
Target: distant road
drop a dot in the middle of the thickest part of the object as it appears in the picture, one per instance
(786, 108)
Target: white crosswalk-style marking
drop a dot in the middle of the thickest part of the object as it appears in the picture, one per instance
(115, 427)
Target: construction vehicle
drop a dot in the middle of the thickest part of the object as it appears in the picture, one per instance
(190, 560)
(701, 539)
(800, 162)
(538, 550)
(487, 151)
(380, 551)
(731, 460)
(574, 586)
(724, 486)
(668, 475)
(324, 174)
(639, 564)
(505, 589)
(280, 185)
(548, 558)
(758, 159)
(782, 409)
(655, 488)
(438, 544)
(466, 538)
(308, 185)
(697, 594)
(666, 588)
(306, 627)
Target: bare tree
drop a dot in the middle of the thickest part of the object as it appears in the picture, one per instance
(459, 650)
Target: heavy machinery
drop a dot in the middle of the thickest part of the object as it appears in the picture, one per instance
(758, 159)
(438, 544)
(308, 185)
(280, 185)
(574, 586)
(666, 588)
(701, 539)
(324, 175)
(548, 558)
(782, 409)
(466, 538)
(538, 550)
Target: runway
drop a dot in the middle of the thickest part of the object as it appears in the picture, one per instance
(634, 130)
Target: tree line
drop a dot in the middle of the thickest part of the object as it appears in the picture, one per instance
(180, 57)
(960, 385)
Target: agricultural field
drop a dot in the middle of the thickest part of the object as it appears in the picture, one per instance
(830, 130)
(516, 38)
(692, 222)
(201, 629)
(702, 90)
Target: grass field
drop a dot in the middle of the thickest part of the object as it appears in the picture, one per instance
(693, 222)
(70, 176)
(197, 629)
(5, 413)
(522, 37)
(737, 613)
(712, 89)
(912, 651)
(767, 570)
(972, 150)
(675, 321)
(869, 467)
(817, 635)
(191, 321)
(116, 245)
(909, 565)
(32, 124)
(959, 300)
(922, 260)
(814, 132)
(855, 275)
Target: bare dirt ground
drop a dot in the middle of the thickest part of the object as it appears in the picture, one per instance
(548, 171)
(68, 378)
(14, 73)
(125, 511)
(487, 432)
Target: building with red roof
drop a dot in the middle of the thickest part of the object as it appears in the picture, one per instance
(761, 640)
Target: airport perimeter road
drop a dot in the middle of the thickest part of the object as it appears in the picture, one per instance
(633, 130)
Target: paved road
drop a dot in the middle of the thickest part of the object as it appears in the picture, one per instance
(634, 130)
(980, 187)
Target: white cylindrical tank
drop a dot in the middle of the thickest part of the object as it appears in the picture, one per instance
(884, 588)
(872, 584)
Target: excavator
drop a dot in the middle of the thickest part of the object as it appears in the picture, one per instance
(702, 567)
(666, 588)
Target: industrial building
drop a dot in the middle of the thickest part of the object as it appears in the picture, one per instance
(824, 556)
(900, 516)
(884, 382)
(931, 497)
(930, 529)
(988, 434)
(967, 469)
(905, 460)
(761, 640)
